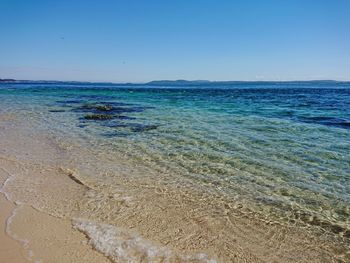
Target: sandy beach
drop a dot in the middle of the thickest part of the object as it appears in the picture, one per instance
(29, 235)
(175, 131)
(47, 215)
(11, 250)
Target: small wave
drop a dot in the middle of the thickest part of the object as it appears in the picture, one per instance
(121, 245)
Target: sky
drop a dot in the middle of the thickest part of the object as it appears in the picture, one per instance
(139, 41)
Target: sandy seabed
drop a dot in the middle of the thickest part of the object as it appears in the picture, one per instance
(49, 213)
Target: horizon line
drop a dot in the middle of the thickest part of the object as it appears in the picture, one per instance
(199, 81)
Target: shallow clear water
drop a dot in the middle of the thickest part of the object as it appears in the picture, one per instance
(283, 149)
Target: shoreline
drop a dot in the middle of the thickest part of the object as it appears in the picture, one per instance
(141, 218)
(29, 235)
(11, 251)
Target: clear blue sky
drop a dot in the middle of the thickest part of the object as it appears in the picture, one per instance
(145, 40)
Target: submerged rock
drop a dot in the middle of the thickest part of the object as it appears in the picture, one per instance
(98, 117)
(56, 110)
(142, 128)
(98, 107)
(123, 117)
(104, 107)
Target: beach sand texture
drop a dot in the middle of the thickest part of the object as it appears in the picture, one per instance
(51, 213)
(29, 235)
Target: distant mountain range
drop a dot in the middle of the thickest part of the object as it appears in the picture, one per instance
(182, 82)
(7, 80)
(209, 83)
(179, 82)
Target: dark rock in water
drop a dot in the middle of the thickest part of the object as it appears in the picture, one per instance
(95, 107)
(328, 121)
(98, 117)
(345, 124)
(339, 124)
(98, 107)
(104, 107)
(117, 125)
(56, 110)
(87, 106)
(115, 134)
(131, 127)
(119, 110)
(346, 234)
(142, 128)
(123, 117)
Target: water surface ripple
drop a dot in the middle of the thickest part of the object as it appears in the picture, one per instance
(283, 150)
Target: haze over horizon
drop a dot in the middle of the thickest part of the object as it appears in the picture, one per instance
(143, 41)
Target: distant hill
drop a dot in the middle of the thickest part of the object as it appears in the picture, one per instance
(7, 80)
(214, 83)
(182, 82)
(179, 82)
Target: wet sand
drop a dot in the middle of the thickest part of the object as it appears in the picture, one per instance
(29, 235)
(11, 251)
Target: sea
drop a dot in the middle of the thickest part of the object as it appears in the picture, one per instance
(280, 150)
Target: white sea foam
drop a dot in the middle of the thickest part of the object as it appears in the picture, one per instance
(121, 245)
(14, 236)
(3, 186)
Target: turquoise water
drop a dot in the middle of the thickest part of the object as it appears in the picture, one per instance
(282, 148)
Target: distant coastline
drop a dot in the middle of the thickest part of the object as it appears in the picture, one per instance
(182, 82)
(233, 82)
(7, 80)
